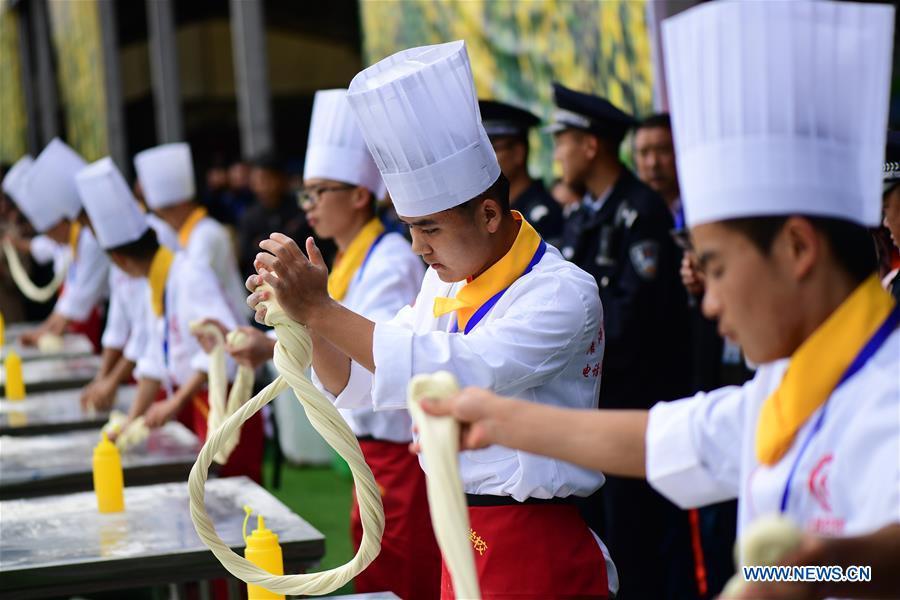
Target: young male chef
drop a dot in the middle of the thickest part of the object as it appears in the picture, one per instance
(499, 307)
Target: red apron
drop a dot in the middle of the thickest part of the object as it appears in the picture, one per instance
(92, 327)
(410, 562)
(539, 551)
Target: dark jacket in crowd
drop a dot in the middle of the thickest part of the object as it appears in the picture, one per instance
(258, 223)
(542, 211)
(626, 245)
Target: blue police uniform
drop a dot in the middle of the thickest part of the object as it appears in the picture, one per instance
(623, 239)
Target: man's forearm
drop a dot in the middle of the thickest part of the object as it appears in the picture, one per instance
(109, 360)
(611, 441)
(332, 366)
(348, 332)
(147, 391)
(187, 391)
(55, 324)
(121, 371)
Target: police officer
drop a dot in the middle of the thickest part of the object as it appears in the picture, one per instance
(621, 235)
(507, 127)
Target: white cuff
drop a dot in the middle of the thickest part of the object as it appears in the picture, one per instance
(147, 368)
(43, 250)
(674, 467)
(72, 308)
(114, 337)
(321, 387)
(200, 362)
(356, 394)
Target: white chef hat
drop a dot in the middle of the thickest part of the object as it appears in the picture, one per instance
(110, 205)
(166, 174)
(14, 187)
(336, 148)
(780, 107)
(48, 191)
(418, 112)
(14, 180)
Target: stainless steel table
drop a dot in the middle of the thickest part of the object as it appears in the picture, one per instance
(61, 545)
(52, 412)
(74, 345)
(14, 330)
(61, 463)
(55, 374)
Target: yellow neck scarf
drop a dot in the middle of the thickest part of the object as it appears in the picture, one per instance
(817, 366)
(498, 277)
(187, 228)
(348, 263)
(74, 235)
(159, 274)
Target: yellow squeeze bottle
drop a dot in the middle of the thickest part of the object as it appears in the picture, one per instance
(263, 551)
(109, 484)
(2, 330)
(15, 384)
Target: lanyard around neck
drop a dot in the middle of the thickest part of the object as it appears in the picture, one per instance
(868, 351)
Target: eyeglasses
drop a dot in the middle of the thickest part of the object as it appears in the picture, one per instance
(309, 197)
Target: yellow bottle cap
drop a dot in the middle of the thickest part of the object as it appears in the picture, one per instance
(105, 446)
(261, 535)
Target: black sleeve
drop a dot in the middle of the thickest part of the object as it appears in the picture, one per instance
(645, 283)
(248, 244)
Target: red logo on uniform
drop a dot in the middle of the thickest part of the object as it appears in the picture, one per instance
(818, 482)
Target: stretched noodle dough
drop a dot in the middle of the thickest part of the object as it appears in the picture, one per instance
(221, 408)
(439, 438)
(293, 354)
(23, 281)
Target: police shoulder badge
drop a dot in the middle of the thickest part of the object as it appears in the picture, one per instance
(537, 213)
(625, 215)
(645, 258)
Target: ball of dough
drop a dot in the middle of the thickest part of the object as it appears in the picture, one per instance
(132, 435)
(768, 539)
(50, 343)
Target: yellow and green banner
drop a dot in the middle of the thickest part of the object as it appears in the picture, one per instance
(13, 119)
(78, 45)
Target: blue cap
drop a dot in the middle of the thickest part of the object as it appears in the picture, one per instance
(577, 110)
(501, 119)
